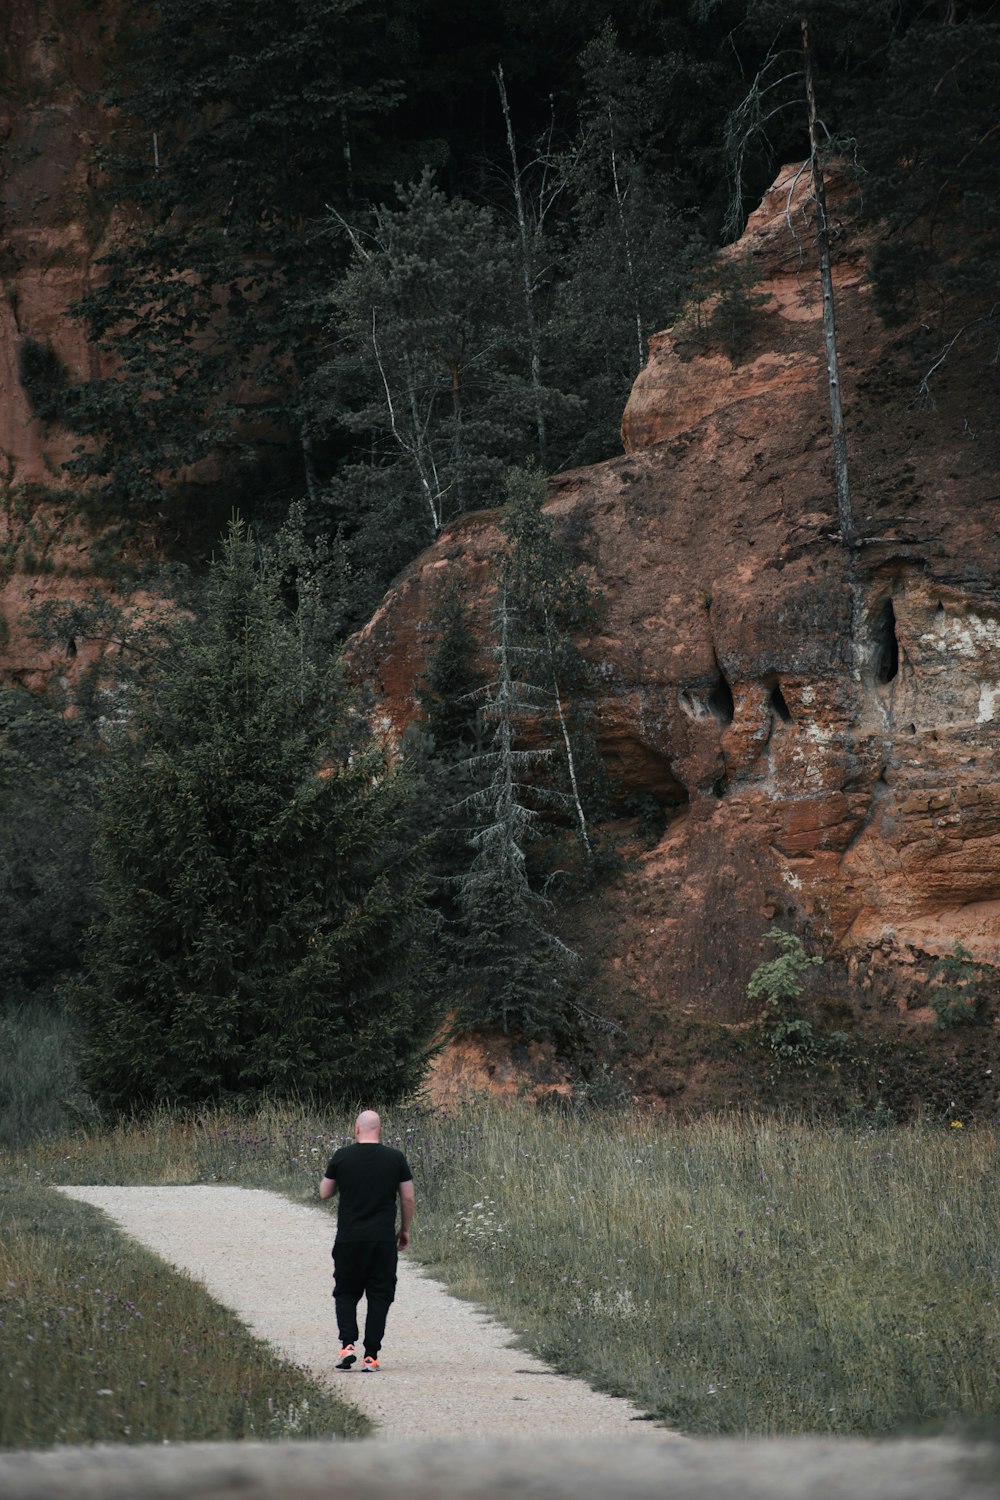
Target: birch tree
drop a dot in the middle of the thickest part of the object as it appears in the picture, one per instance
(787, 82)
(424, 368)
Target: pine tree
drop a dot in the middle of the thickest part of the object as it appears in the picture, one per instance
(236, 126)
(933, 179)
(450, 687)
(550, 599)
(443, 748)
(627, 263)
(512, 971)
(265, 929)
(47, 894)
(426, 382)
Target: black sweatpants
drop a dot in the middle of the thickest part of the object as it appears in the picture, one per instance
(364, 1268)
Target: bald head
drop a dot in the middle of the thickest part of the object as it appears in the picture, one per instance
(368, 1126)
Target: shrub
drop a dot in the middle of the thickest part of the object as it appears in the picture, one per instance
(777, 982)
(954, 987)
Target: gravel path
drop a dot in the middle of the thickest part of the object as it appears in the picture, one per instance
(447, 1369)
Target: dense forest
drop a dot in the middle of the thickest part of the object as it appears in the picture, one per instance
(371, 266)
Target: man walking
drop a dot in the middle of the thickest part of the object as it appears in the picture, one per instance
(368, 1177)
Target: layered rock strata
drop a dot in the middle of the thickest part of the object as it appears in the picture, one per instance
(819, 725)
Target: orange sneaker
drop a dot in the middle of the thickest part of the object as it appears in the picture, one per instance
(369, 1363)
(346, 1358)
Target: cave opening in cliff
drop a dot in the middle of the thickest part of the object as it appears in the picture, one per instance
(720, 701)
(71, 648)
(777, 704)
(886, 644)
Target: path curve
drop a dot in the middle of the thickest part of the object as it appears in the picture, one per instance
(448, 1370)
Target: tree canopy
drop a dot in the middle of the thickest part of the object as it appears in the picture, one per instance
(265, 921)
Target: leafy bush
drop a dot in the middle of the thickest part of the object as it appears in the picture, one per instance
(778, 982)
(954, 987)
(44, 378)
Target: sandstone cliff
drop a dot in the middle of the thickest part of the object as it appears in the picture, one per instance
(51, 236)
(820, 727)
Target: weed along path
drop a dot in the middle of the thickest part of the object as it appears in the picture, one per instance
(447, 1368)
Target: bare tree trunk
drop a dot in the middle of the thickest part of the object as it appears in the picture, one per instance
(457, 445)
(845, 514)
(423, 458)
(627, 240)
(534, 344)
(567, 745)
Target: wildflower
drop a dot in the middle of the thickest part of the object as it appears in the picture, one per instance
(957, 1125)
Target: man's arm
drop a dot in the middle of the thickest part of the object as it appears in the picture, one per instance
(327, 1187)
(405, 1191)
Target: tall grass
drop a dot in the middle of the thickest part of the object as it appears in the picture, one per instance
(730, 1276)
(739, 1277)
(101, 1342)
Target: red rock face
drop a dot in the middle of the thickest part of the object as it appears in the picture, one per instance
(50, 68)
(821, 727)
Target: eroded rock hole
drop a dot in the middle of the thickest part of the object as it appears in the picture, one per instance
(720, 701)
(886, 644)
(779, 707)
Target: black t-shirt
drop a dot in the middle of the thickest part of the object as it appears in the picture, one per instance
(367, 1175)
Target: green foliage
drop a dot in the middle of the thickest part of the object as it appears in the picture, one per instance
(265, 929)
(443, 747)
(932, 168)
(450, 687)
(537, 774)
(427, 373)
(40, 1093)
(550, 599)
(325, 287)
(954, 981)
(101, 1342)
(733, 302)
(777, 982)
(631, 247)
(234, 133)
(789, 1280)
(45, 379)
(47, 882)
(512, 970)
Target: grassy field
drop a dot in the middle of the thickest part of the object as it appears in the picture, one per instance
(101, 1342)
(729, 1276)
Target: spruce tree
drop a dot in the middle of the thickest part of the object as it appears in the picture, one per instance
(426, 388)
(550, 599)
(235, 127)
(450, 686)
(47, 895)
(265, 931)
(512, 970)
(443, 745)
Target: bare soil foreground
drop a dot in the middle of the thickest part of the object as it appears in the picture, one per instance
(447, 1369)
